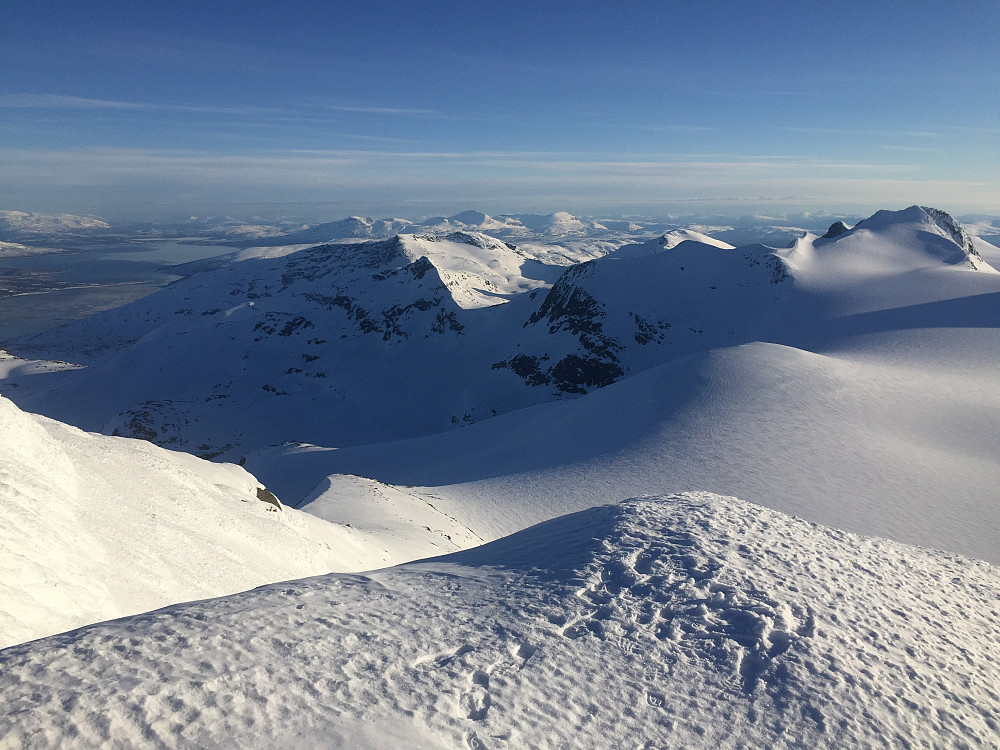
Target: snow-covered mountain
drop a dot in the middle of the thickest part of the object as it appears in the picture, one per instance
(535, 226)
(370, 326)
(18, 225)
(472, 221)
(398, 338)
(514, 226)
(668, 241)
(875, 401)
(880, 347)
(351, 228)
(681, 621)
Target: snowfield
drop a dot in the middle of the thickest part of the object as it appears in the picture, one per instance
(682, 621)
(891, 446)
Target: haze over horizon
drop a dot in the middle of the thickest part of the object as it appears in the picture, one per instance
(388, 107)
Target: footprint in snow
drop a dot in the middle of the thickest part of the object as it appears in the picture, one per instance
(475, 703)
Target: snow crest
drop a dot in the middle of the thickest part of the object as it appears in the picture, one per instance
(640, 623)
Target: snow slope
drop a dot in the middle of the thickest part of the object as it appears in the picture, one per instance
(478, 270)
(895, 446)
(680, 621)
(99, 527)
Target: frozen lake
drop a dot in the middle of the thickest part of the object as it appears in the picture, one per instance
(42, 291)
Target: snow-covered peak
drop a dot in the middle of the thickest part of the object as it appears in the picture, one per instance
(927, 218)
(668, 241)
(558, 223)
(477, 269)
(677, 236)
(352, 228)
(612, 315)
(474, 221)
(887, 243)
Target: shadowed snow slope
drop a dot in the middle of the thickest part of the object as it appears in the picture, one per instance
(895, 437)
(98, 527)
(692, 620)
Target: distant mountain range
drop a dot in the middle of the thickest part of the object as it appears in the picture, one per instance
(589, 399)
(410, 335)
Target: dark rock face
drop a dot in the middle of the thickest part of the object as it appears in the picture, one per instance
(571, 309)
(836, 229)
(574, 374)
(568, 307)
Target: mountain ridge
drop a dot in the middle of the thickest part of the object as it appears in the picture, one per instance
(301, 326)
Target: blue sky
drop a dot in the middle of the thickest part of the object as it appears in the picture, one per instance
(151, 109)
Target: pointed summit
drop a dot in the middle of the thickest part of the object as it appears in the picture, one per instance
(836, 229)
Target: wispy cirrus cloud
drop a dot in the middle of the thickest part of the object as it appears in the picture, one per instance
(415, 167)
(678, 128)
(385, 110)
(566, 180)
(901, 147)
(60, 101)
(63, 101)
(858, 131)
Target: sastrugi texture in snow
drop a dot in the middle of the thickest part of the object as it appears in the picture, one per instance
(681, 621)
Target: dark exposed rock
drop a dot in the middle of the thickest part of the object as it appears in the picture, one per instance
(961, 238)
(526, 367)
(574, 374)
(647, 332)
(266, 496)
(836, 229)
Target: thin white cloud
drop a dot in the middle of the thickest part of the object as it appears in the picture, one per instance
(159, 176)
(385, 110)
(678, 128)
(58, 101)
(756, 92)
(427, 166)
(857, 131)
(61, 101)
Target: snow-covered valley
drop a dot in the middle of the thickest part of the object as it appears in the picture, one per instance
(514, 381)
